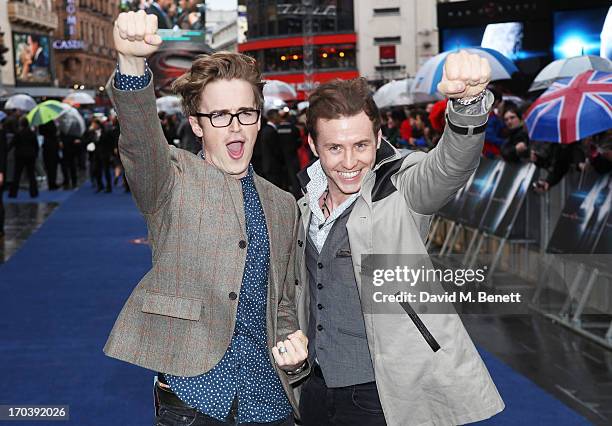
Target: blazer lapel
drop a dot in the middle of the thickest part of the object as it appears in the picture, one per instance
(235, 190)
(271, 213)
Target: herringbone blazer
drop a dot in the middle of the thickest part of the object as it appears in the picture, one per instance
(180, 317)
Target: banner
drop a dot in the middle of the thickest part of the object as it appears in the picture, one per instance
(32, 59)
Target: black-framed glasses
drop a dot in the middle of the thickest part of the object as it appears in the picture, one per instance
(246, 117)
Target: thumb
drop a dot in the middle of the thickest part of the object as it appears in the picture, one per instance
(451, 87)
(153, 39)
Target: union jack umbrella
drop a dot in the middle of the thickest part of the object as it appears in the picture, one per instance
(572, 108)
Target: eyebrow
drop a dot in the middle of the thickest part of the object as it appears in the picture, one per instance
(354, 143)
(228, 111)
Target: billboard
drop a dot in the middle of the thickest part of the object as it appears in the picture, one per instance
(32, 59)
(583, 32)
(584, 226)
(523, 42)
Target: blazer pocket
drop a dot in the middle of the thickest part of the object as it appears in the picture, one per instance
(172, 306)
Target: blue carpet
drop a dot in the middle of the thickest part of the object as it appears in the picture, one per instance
(62, 291)
(23, 196)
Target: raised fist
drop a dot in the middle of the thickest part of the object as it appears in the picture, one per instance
(465, 75)
(135, 34)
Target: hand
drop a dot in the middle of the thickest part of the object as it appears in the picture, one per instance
(465, 75)
(135, 35)
(520, 147)
(297, 351)
(541, 186)
(1, 178)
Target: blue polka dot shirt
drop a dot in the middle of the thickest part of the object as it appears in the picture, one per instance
(245, 372)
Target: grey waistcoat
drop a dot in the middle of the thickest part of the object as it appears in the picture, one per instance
(336, 331)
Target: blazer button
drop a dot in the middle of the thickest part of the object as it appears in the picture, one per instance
(233, 295)
(297, 282)
(319, 306)
(242, 244)
(320, 327)
(300, 243)
(319, 286)
(320, 265)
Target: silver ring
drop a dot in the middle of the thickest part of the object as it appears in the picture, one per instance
(282, 350)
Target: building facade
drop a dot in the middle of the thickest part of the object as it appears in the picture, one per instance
(394, 37)
(275, 37)
(28, 27)
(83, 44)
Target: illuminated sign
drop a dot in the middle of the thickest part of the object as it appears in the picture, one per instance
(68, 44)
(71, 20)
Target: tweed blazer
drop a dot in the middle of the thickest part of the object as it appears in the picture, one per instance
(180, 317)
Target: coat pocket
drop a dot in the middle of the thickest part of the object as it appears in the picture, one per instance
(172, 306)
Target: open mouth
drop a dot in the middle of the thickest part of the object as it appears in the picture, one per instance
(349, 176)
(235, 149)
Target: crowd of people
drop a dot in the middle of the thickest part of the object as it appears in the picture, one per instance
(506, 138)
(44, 155)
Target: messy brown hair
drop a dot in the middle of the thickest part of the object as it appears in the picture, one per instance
(341, 98)
(219, 66)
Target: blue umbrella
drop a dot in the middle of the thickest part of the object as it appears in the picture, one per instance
(430, 74)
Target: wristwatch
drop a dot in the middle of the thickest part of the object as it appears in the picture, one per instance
(472, 99)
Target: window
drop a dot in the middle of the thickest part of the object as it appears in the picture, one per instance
(386, 11)
(387, 40)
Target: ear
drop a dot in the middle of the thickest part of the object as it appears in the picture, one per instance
(378, 139)
(195, 126)
(313, 147)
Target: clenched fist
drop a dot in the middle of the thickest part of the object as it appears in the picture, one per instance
(465, 75)
(135, 35)
(291, 353)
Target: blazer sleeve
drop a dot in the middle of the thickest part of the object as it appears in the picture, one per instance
(149, 165)
(287, 321)
(430, 183)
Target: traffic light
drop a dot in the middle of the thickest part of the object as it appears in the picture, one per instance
(3, 50)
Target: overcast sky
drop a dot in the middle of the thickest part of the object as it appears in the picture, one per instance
(222, 4)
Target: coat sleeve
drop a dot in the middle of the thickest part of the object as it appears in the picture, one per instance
(287, 321)
(430, 183)
(149, 166)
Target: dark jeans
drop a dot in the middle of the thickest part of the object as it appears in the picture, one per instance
(346, 406)
(180, 414)
(29, 164)
(2, 207)
(103, 167)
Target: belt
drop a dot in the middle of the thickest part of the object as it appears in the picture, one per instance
(167, 397)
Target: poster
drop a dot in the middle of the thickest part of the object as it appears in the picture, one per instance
(32, 59)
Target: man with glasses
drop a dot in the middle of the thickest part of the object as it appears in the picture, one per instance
(216, 314)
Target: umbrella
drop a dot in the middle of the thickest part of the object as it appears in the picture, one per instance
(2, 116)
(80, 98)
(22, 102)
(572, 108)
(394, 93)
(71, 122)
(169, 104)
(569, 67)
(273, 103)
(45, 112)
(430, 74)
(279, 89)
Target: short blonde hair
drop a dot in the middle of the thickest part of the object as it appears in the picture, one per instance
(219, 66)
